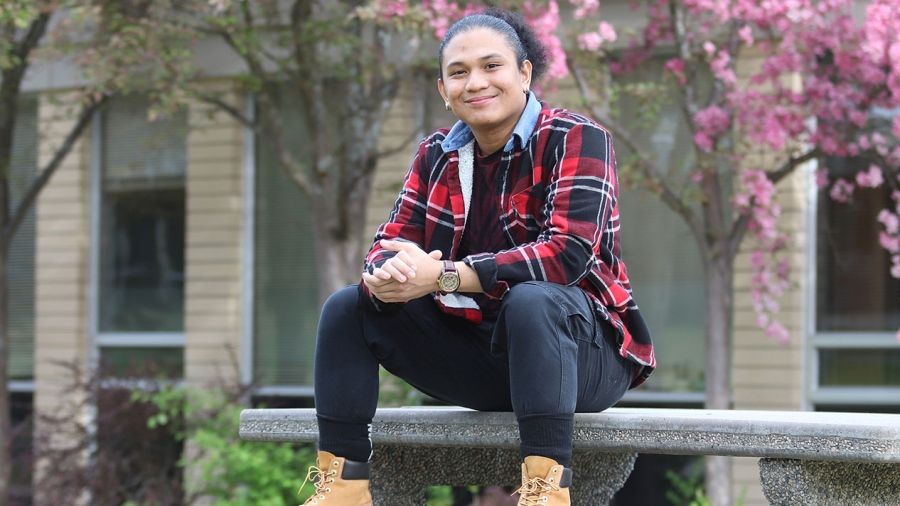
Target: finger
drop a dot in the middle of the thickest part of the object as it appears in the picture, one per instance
(394, 272)
(436, 254)
(395, 245)
(405, 264)
(380, 273)
(373, 281)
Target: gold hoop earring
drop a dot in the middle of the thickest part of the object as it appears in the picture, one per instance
(447, 105)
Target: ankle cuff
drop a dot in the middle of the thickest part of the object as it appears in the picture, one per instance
(354, 470)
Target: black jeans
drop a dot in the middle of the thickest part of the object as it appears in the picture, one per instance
(545, 357)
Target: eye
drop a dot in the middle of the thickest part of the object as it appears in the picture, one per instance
(492, 66)
(454, 73)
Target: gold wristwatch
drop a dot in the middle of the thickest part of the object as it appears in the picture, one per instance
(448, 280)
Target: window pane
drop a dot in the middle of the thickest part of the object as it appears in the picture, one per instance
(670, 293)
(856, 290)
(286, 301)
(142, 261)
(862, 367)
(142, 221)
(22, 253)
(22, 414)
(143, 362)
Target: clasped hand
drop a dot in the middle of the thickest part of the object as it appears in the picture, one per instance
(408, 275)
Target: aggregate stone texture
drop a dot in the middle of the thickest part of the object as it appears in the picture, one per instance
(796, 482)
(852, 437)
(401, 474)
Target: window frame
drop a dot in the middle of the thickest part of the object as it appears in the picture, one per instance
(818, 341)
(97, 339)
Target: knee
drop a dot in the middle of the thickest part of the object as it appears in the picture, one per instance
(527, 302)
(340, 305)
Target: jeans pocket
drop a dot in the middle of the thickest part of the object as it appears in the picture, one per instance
(582, 327)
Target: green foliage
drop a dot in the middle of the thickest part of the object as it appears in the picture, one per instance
(690, 490)
(686, 491)
(222, 467)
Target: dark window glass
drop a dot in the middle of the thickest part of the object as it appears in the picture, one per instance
(143, 362)
(856, 291)
(142, 221)
(859, 367)
(22, 441)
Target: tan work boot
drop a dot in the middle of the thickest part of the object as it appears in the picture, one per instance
(339, 482)
(544, 483)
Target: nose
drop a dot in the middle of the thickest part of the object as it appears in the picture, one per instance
(477, 81)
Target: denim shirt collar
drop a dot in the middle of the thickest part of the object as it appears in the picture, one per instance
(461, 134)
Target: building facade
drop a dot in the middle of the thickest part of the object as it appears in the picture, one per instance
(178, 246)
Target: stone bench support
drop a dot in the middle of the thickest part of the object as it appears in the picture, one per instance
(806, 457)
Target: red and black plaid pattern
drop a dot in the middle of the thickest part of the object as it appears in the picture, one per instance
(560, 219)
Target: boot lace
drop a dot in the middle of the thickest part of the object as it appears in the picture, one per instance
(530, 493)
(321, 479)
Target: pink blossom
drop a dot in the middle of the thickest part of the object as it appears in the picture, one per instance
(607, 32)
(778, 332)
(676, 67)
(895, 266)
(890, 221)
(842, 191)
(585, 8)
(590, 41)
(746, 34)
(709, 47)
(871, 178)
(889, 242)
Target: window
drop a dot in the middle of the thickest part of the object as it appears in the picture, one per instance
(140, 240)
(285, 287)
(670, 293)
(856, 356)
(22, 253)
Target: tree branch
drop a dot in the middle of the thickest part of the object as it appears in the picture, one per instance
(232, 111)
(84, 119)
(741, 224)
(648, 167)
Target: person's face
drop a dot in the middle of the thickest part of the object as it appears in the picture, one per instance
(482, 81)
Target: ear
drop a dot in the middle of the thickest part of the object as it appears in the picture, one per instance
(525, 71)
(442, 90)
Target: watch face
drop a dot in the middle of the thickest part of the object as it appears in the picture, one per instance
(449, 281)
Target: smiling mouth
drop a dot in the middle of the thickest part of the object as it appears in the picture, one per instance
(478, 100)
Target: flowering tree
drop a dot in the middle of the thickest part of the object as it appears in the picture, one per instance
(821, 81)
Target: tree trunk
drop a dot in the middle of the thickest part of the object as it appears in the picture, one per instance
(5, 422)
(719, 275)
(339, 224)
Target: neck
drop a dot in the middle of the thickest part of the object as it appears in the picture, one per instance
(492, 138)
(491, 141)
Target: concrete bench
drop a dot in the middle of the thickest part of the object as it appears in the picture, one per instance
(806, 457)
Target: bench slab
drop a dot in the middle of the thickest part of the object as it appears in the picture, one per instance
(806, 457)
(850, 437)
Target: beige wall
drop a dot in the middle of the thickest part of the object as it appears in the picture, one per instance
(62, 256)
(214, 252)
(767, 374)
(61, 266)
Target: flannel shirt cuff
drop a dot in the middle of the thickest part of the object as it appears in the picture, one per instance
(378, 304)
(485, 265)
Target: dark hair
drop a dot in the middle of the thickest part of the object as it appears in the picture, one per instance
(512, 27)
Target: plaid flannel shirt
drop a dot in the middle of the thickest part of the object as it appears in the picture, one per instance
(559, 215)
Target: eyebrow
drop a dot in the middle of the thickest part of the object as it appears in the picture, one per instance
(486, 57)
